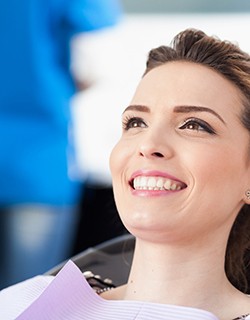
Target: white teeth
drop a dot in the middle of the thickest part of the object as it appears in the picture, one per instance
(167, 184)
(151, 182)
(143, 182)
(173, 187)
(155, 183)
(159, 183)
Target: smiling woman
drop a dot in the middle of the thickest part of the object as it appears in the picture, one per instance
(234, 65)
(181, 179)
(181, 171)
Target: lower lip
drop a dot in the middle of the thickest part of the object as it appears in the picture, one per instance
(153, 193)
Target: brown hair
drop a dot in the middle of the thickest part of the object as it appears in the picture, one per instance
(234, 64)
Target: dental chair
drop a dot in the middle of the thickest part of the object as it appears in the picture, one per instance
(110, 259)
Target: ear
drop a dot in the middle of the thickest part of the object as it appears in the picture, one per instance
(247, 196)
(246, 184)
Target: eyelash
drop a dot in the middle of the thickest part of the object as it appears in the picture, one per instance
(128, 123)
(204, 126)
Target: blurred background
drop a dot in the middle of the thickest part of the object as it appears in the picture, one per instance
(104, 64)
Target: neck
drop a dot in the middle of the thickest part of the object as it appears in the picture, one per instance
(192, 276)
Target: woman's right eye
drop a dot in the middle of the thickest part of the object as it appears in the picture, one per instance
(134, 122)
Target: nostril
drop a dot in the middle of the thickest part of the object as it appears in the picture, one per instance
(158, 154)
(149, 154)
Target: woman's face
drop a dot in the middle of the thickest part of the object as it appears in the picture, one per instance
(181, 165)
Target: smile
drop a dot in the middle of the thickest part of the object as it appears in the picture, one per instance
(156, 183)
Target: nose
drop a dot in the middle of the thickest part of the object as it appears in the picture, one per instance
(155, 146)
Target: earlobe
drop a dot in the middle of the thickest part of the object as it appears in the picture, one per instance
(247, 196)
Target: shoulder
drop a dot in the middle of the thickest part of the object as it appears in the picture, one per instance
(16, 298)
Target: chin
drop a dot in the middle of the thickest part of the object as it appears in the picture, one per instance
(140, 225)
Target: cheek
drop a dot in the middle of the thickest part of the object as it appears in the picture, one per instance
(218, 172)
(118, 160)
(212, 162)
(119, 163)
(114, 159)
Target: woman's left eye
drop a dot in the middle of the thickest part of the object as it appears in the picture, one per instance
(197, 125)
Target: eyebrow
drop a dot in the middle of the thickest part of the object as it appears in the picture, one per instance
(137, 107)
(177, 109)
(188, 109)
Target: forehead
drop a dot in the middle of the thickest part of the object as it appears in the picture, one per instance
(178, 83)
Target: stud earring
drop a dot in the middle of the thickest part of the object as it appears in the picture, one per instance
(247, 193)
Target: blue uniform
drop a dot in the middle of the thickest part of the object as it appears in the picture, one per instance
(35, 88)
(36, 154)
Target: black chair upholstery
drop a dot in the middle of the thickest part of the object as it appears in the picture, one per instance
(110, 259)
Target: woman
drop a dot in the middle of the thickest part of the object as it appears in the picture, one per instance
(181, 177)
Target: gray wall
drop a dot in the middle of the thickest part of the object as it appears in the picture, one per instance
(186, 6)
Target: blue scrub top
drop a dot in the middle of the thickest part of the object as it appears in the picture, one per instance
(35, 90)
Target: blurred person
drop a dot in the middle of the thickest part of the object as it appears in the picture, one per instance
(39, 185)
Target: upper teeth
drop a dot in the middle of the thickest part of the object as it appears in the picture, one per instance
(155, 183)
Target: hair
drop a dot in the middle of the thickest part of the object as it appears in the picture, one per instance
(230, 61)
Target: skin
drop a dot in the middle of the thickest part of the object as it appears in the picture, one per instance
(183, 124)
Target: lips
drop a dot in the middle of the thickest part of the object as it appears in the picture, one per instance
(157, 183)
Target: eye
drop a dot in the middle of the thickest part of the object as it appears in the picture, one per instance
(133, 122)
(197, 125)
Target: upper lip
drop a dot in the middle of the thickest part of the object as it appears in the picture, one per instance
(156, 173)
